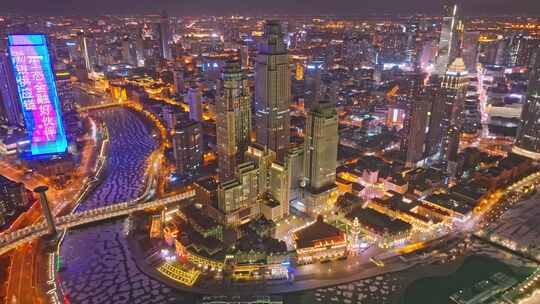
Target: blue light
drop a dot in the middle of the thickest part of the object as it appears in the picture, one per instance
(29, 55)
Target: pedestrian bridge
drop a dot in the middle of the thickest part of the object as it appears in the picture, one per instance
(9, 241)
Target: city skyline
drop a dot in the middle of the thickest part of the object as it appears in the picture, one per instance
(216, 7)
(298, 159)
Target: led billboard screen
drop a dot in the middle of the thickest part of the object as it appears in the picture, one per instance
(36, 87)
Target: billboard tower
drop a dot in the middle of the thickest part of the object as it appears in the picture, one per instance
(36, 88)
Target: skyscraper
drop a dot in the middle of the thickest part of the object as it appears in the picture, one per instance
(320, 154)
(233, 119)
(89, 51)
(470, 50)
(187, 141)
(528, 139)
(194, 100)
(272, 91)
(8, 89)
(164, 36)
(416, 137)
(37, 93)
(411, 90)
(453, 91)
(449, 42)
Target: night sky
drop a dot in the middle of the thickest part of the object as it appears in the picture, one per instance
(220, 7)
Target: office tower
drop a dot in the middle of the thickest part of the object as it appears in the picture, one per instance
(44, 203)
(294, 162)
(519, 50)
(411, 90)
(65, 90)
(11, 106)
(449, 42)
(244, 56)
(272, 91)
(453, 92)
(179, 83)
(320, 154)
(38, 97)
(279, 186)
(233, 119)
(194, 100)
(313, 84)
(164, 36)
(187, 140)
(89, 51)
(436, 104)
(470, 50)
(416, 136)
(129, 53)
(237, 198)
(13, 197)
(528, 139)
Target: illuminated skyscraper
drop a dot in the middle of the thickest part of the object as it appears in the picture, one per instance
(187, 141)
(89, 51)
(453, 92)
(449, 43)
(320, 154)
(37, 93)
(416, 137)
(470, 50)
(233, 119)
(164, 36)
(528, 140)
(272, 91)
(11, 107)
(194, 100)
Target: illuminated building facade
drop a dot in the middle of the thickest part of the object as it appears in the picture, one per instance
(164, 36)
(528, 140)
(320, 154)
(450, 39)
(233, 120)
(11, 107)
(194, 100)
(272, 91)
(470, 50)
(453, 91)
(237, 198)
(36, 86)
(319, 241)
(187, 142)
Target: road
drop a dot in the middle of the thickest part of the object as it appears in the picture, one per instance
(25, 260)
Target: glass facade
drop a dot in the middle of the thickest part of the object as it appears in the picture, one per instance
(36, 88)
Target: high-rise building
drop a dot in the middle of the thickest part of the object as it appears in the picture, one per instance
(519, 50)
(453, 91)
(194, 100)
(129, 52)
(449, 42)
(11, 107)
(164, 36)
(89, 51)
(411, 90)
(294, 162)
(244, 56)
(40, 105)
(528, 139)
(237, 198)
(179, 83)
(233, 119)
(470, 50)
(65, 90)
(272, 91)
(436, 114)
(416, 137)
(13, 197)
(320, 154)
(187, 142)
